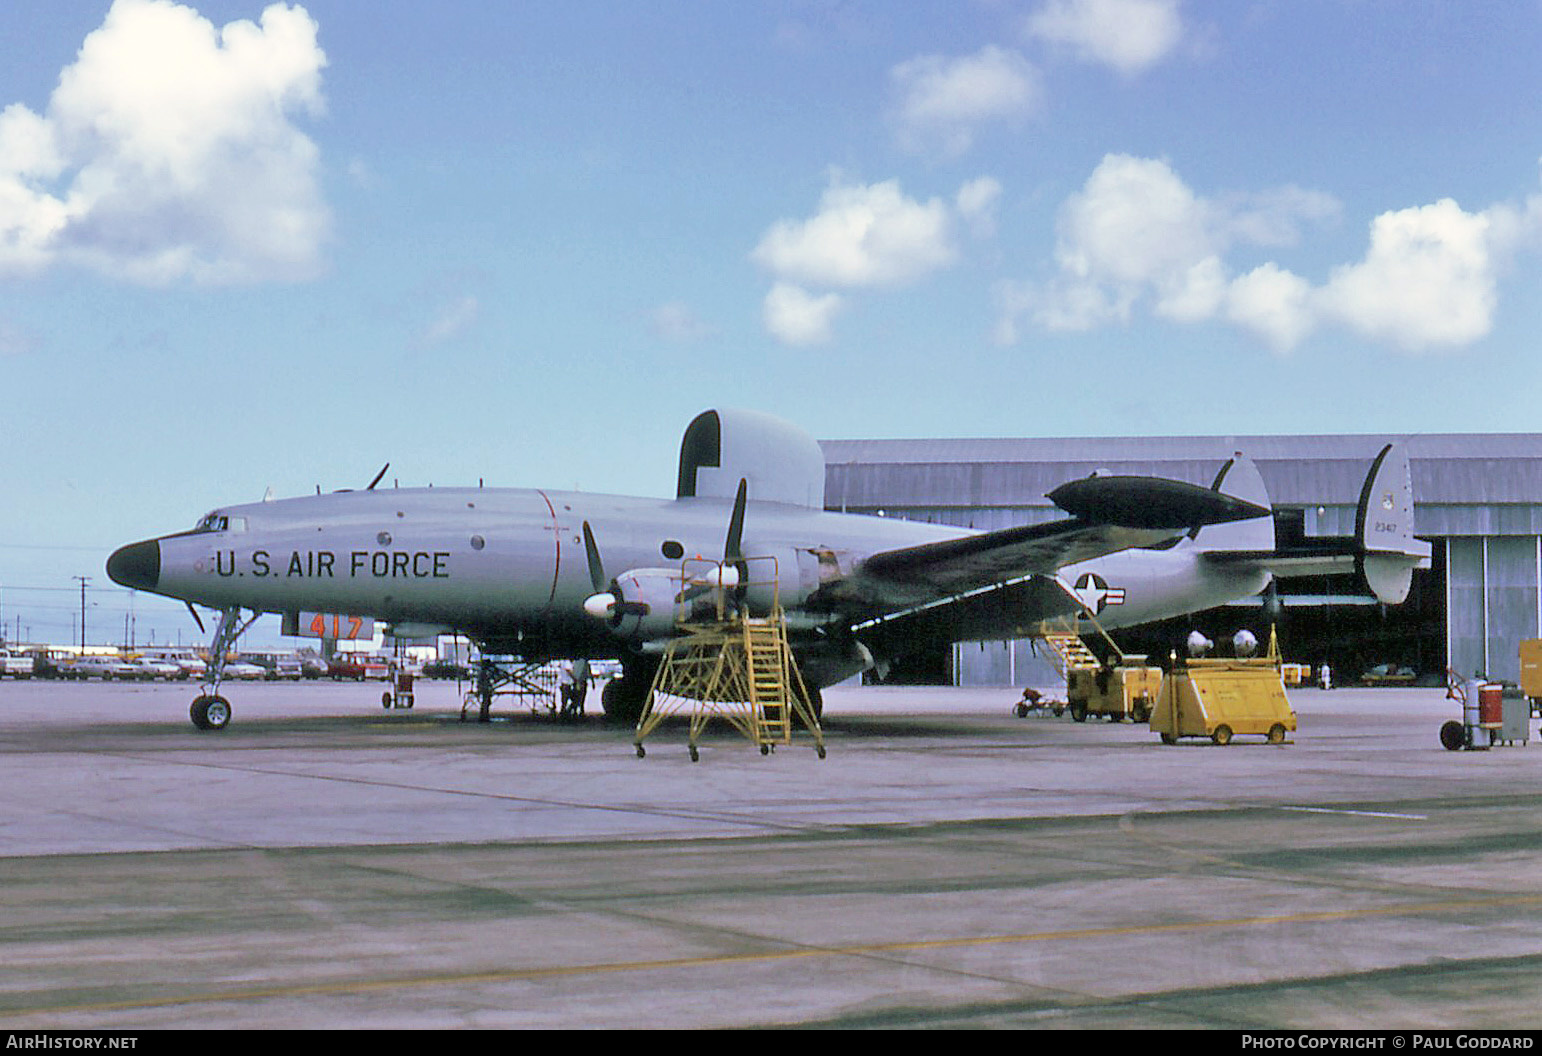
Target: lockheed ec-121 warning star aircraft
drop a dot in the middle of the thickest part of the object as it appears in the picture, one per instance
(542, 575)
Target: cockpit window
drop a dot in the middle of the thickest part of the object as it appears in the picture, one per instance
(219, 522)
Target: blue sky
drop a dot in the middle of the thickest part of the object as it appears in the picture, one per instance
(245, 247)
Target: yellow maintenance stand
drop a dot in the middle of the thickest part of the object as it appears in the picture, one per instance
(732, 665)
(1123, 689)
(1224, 697)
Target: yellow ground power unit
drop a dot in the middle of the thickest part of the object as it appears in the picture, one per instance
(1220, 699)
(1531, 673)
(1127, 690)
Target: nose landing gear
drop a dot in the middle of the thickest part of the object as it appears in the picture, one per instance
(210, 711)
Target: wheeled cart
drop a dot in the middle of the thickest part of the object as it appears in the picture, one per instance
(400, 695)
(1122, 691)
(1220, 699)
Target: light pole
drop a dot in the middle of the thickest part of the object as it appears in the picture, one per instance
(83, 581)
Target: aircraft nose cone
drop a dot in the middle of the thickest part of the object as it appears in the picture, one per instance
(137, 566)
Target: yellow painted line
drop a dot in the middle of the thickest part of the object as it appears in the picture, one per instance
(771, 956)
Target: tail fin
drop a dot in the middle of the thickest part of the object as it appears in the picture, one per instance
(1239, 478)
(1383, 551)
(1388, 551)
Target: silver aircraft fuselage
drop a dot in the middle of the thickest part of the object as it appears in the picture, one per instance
(509, 565)
(494, 562)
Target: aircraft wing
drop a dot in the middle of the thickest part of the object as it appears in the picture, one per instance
(1110, 513)
(957, 565)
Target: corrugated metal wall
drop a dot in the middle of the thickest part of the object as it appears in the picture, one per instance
(1478, 495)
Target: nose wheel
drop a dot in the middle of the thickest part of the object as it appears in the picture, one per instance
(210, 711)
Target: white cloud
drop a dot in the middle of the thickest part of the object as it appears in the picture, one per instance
(1134, 221)
(861, 236)
(943, 101)
(167, 152)
(1128, 35)
(864, 236)
(1274, 304)
(1273, 217)
(1427, 279)
(1137, 234)
(1195, 292)
(796, 317)
(976, 204)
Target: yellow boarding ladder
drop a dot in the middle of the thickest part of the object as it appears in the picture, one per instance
(771, 692)
(1069, 652)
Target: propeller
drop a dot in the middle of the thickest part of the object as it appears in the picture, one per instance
(733, 546)
(605, 603)
(602, 603)
(608, 603)
(733, 571)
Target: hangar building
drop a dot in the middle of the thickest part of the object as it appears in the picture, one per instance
(1477, 498)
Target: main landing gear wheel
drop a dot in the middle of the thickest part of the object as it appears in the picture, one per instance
(624, 698)
(210, 712)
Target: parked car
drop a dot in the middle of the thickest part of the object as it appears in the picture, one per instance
(240, 669)
(446, 669)
(339, 668)
(106, 668)
(16, 664)
(191, 665)
(150, 668)
(275, 667)
(1389, 675)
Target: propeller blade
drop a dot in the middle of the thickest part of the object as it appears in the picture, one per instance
(733, 547)
(596, 567)
(196, 618)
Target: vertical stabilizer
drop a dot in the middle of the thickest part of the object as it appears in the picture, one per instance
(1240, 478)
(1384, 524)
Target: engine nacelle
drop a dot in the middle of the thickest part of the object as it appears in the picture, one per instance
(641, 604)
(775, 578)
(646, 604)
